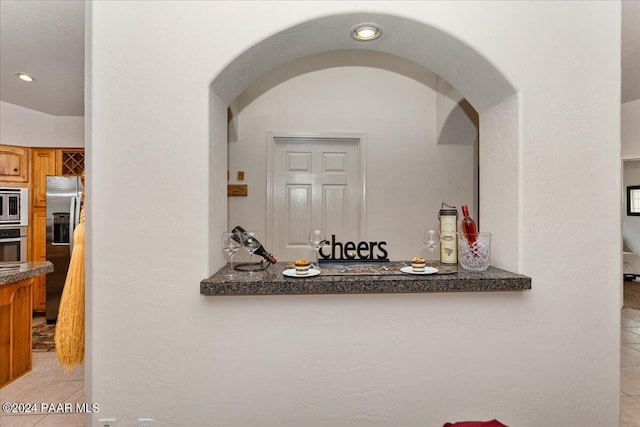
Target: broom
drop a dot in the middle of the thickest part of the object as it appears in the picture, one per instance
(69, 335)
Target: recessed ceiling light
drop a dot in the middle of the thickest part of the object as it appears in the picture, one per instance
(366, 32)
(26, 77)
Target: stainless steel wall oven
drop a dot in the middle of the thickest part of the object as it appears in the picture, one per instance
(14, 206)
(14, 218)
(13, 244)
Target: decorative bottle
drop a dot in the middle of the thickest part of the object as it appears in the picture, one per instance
(240, 235)
(448, 238)
(468, 226)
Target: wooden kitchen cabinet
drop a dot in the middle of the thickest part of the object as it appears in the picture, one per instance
(70, 161)
(43, 162)
(14, 163)
(40, 294)
(39, 253)
(53, 161)
(15, 330)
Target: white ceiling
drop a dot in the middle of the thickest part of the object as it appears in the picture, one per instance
(46, 39)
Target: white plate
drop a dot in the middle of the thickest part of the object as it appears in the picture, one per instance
(291, 272)
(427, 270)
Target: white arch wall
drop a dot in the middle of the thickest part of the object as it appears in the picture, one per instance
(395, 103)
(428, 46)
(545, 357)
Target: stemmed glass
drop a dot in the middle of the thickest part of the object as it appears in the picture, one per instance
(316, 240)
(251, 242)
(230, 246)
(430, 239)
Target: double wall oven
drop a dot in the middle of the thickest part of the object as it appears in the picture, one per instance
(14, 219)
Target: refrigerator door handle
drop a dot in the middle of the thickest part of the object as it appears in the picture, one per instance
(78, 207)
(72, 223)
(74, 219)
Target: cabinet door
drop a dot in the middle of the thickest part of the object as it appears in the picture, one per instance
(5, 340)
(14, 164)
(39, 253)
(15, 330)
(40, 294)
(44, 163)
(21, 347)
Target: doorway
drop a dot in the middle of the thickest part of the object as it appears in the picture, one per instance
(630, 237)
(316, 182)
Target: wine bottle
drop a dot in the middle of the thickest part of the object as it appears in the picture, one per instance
(240, 235)
(468, 226)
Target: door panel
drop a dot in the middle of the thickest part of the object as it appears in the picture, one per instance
(335, 206)
(298, 206)
(298, 162)
(316, 184)
(334, 162)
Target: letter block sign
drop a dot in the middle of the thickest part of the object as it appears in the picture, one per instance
(363, 251)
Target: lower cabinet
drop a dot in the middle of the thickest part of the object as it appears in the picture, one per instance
(39, 253)
(40, 294)
(15, 330)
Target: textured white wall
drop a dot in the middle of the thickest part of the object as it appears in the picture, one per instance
(393, 102)
(526, 358)
(29, 128)
(631, 129)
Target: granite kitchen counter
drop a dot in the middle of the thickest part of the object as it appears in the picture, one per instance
(352, 280)
(11, 272)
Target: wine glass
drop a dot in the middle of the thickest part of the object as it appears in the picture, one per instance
(430, 240)
(251, 242)
(230, 246)
(316, 240)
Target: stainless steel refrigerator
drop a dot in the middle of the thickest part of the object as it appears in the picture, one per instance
(63, 213)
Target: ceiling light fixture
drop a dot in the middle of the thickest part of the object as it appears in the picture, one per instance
(366, 32)
(26, 77)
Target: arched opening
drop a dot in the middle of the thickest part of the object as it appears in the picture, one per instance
(416, 148)
(471, 74)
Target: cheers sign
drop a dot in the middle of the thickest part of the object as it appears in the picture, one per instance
(350, 250)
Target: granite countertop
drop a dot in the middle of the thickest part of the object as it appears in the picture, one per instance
(335, 280)
(11, 272)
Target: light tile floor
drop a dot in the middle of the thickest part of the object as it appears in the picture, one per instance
(49, 383)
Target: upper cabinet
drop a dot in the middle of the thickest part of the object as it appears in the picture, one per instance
(14, 164)
(70, 161)
(53, 161)
(44, 163)
(33, 164)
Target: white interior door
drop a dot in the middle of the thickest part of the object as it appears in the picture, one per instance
(316, 184)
